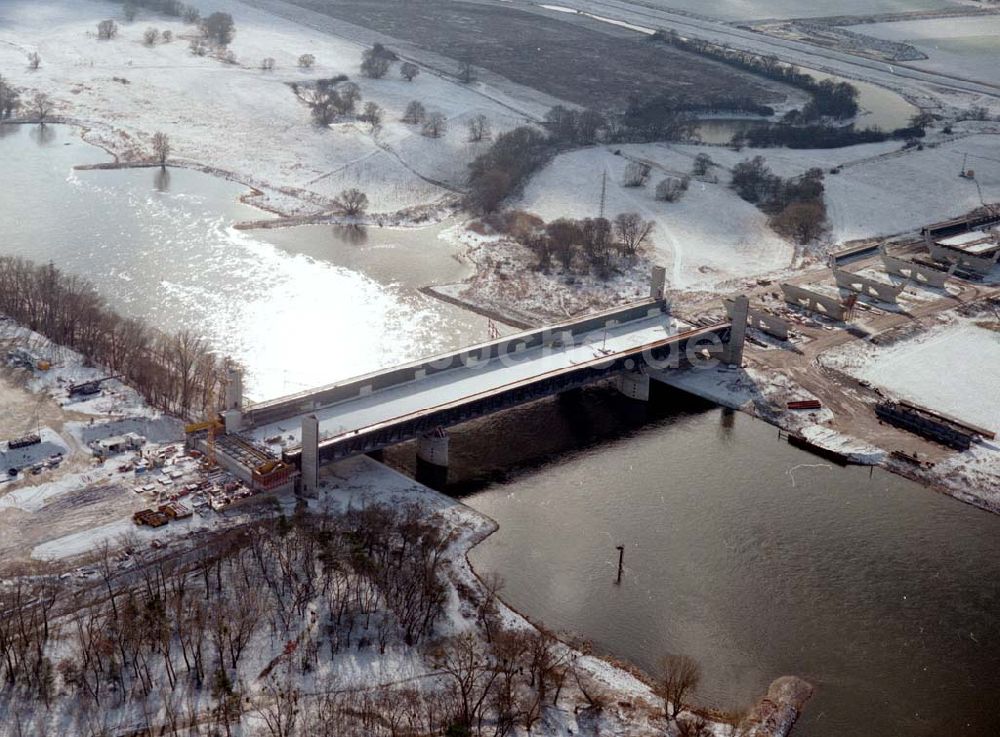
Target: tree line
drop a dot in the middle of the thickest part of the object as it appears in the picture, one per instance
(795, 205)
(832, 99)
(175, 372)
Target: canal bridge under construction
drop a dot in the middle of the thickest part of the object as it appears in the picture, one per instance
(418, 400)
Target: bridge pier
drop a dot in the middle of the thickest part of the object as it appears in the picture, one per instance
(733, 352)
(233, 410)
(634, 385)
(432, 457)
(310, 456)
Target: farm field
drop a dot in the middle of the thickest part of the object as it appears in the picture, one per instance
(495, 38)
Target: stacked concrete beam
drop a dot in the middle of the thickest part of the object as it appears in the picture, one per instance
(978, 264)
(814, 301)
(887, 293)
(763, 321)
(920, 274)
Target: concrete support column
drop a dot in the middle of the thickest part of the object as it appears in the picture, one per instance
(232, 412)
(733, 353)
(634, 385)
(310, 455)
(234, 389)
(233, 419)
(432, 458)
(658, 282)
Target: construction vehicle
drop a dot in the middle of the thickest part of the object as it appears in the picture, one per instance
(87, 388)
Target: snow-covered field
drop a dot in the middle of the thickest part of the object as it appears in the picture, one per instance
(708, 237)
(752, 9)
(882, 190)
(237, 118)
(950, 369)
(711, 236)
(964, 47)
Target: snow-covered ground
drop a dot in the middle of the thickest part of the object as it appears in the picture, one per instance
(950, 369)
(964, 47)
(734, 10)
(711, 236)
(237, 118)
(708, 237)
(881, 189)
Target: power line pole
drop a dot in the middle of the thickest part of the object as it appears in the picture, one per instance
(604, 191)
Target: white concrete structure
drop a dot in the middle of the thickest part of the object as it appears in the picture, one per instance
(634, 385)
(432, 448)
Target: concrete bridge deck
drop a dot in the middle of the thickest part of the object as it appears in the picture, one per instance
(397, 404)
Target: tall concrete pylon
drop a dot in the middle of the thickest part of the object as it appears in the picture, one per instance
(733, 353)
(234, 389)
(232, 412)
(657, 283)
(310, 455)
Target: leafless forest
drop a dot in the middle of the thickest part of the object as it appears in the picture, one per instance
(175, 372)
(249, 627)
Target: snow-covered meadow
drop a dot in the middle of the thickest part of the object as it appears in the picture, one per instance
(237, 118)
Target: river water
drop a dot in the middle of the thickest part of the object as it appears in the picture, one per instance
(750, 555)
(298, 307)
(878, 107)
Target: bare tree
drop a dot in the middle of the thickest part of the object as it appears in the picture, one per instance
(267, 64)
(435, 125)
(150, 36)
(167, 36)
(374, 65)
(10, 99)
(466, 72)
(129, 10)
(348, 95)
(192, 15)
(702, 163)
(34, 60)
(635, 174)
(352, 202)
(479, 128)
(671, 189)
(219, 27)
(467, 664)
(415, 112)
(678, 676)
(372, 115)
(801, 221)
(107, 30)
(408, 71)
(41, 104)
(632, 231)
(161, 147)
(306, 61)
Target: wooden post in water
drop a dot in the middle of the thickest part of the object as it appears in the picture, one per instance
(621, 558)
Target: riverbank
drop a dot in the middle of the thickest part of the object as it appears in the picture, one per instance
(60, 525)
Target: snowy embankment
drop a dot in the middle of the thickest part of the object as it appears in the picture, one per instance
(949, 368)
(236, 119)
